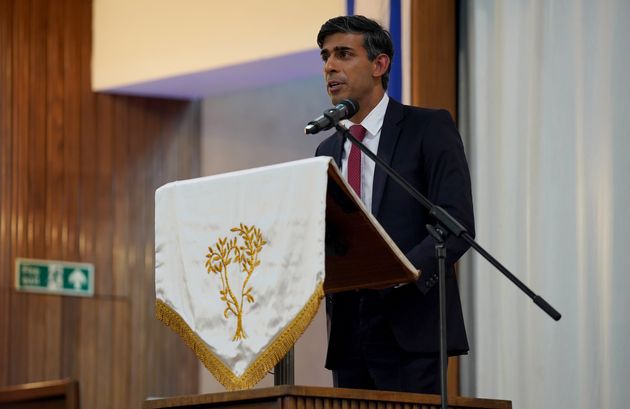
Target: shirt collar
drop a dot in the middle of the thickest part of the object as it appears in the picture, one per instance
(373, 122)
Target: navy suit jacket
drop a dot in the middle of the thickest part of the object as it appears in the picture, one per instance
(424, 147)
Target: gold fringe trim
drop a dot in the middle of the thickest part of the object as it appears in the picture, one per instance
(265, 361)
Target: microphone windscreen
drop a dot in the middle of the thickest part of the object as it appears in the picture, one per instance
(352, 107)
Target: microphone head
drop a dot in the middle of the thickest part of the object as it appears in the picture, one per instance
(345, 109)
(352, 107)
(310, 128)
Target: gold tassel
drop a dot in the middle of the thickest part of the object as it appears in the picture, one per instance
(267, 359)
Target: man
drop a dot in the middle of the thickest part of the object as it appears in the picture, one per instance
(389, 339)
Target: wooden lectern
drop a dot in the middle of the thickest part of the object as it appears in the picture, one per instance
(359, 254)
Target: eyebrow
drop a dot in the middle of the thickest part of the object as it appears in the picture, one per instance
(338, 48)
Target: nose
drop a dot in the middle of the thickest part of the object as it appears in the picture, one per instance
(330, 66)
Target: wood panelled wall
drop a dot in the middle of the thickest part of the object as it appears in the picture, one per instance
(434, 54)
(434, 78)
(78, 172)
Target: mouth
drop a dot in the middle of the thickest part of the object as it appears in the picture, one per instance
(334, 86)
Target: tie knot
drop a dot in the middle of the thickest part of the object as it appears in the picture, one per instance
(358, 131)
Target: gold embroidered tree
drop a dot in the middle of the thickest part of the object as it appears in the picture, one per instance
(221, 256)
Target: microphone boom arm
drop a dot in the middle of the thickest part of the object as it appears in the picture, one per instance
(451, 224)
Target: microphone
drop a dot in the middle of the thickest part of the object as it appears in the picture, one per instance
(331, 117)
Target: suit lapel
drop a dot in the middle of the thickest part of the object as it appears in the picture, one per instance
(337, 148)
(386, 146)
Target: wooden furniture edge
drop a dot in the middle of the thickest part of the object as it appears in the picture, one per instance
(39, 390)
(322, 392)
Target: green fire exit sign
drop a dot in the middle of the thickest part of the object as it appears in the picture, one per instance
(54, 277)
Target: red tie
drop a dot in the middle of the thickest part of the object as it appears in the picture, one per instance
(354, 160)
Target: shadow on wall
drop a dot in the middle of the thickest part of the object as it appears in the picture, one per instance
(262, 126)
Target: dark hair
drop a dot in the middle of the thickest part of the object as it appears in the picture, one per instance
(376, 39)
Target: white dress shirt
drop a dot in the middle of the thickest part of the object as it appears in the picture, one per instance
(373, 123)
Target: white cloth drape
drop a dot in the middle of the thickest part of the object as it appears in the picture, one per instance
(548, 120)
(240, 264)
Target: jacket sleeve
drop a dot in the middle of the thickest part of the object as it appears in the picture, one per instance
(448, 186)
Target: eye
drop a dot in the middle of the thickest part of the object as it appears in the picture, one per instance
(345, 54)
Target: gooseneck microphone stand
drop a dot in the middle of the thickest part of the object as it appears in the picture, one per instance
(446, 225)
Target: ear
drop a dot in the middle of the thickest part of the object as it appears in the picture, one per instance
(380, 64)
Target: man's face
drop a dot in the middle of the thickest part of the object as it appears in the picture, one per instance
(347, 70)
